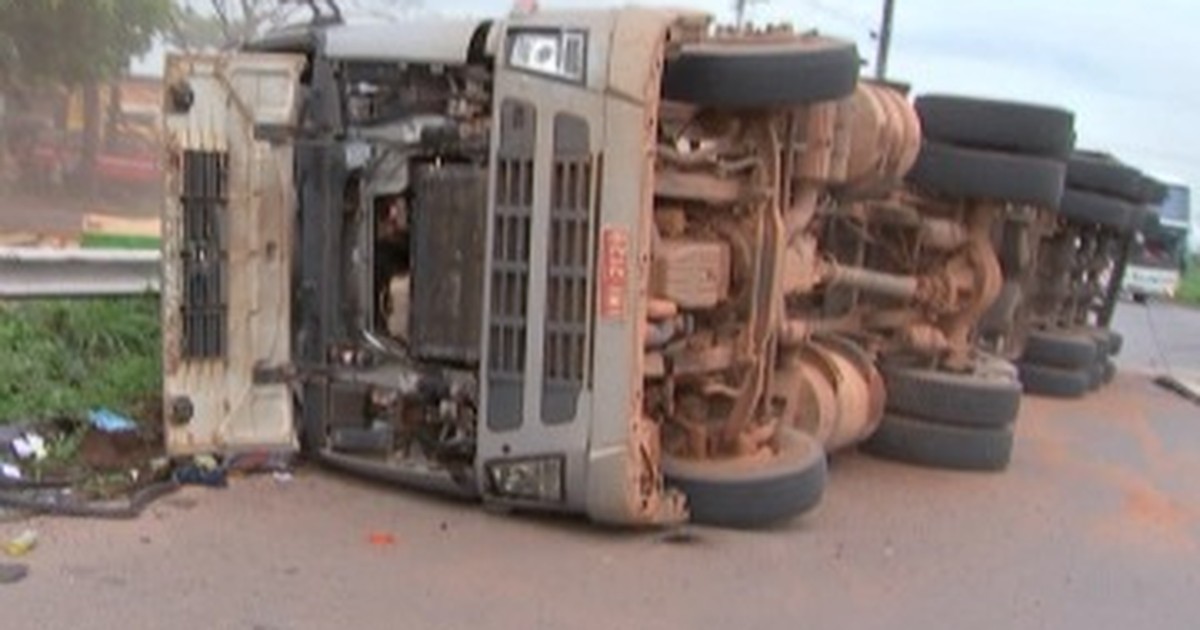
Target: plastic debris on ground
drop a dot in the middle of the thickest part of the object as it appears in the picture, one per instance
(29, 446)
(203, 470)
(11, 471)
(109, 421)
(22, 544)
(381, 539)
(13, 573)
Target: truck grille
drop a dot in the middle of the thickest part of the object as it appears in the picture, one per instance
(205, 200)
(508, 309)
(568, 288)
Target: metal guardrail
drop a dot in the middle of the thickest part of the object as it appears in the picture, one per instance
(27, 272)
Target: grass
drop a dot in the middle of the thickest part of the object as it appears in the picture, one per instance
(1189, 288)
(63, 357)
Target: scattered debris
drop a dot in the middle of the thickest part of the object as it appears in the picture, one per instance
(1188, 388)
(13, 573)
(381, 539)
(11, 471)
(202, 471)
(260, 462)
(22, 544)
(109, 421)
(283, 476)
(30, 446)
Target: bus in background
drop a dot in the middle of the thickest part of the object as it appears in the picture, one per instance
(1160, 257)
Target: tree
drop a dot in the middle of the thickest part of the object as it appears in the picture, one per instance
(76, 44)
(225, 24)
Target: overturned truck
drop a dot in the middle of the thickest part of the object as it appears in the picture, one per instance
(617, 263)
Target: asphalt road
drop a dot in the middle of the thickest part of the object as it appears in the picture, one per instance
(1096, 525)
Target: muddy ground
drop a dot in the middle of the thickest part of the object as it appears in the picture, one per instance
(1097, 525)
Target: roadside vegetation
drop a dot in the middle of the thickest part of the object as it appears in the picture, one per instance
(64, 357)
(1189, 289)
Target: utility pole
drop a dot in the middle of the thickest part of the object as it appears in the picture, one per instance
(885, 40)
(739, 10)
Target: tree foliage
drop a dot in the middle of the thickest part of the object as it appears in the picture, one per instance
(223, 24)
(75, 42)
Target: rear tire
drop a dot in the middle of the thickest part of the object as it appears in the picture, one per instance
(741, 494)
(1103, 174)
(989, 398)
(1110, 212)
(1055, 382)
(936, 445)
(1011, 127)
(718, 75)
(977, 174)
(1061, 349)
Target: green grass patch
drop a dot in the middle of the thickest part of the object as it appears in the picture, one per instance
(119, 241)
(1189, 288)
(63, 357)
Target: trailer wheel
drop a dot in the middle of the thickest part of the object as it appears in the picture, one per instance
(715, 74)
(988, 397)
(1056, 382)
(979, 174)
(1096, 375)
(1116, 341)
(1108, 341)
(751, 493)
(1110, 371)
(1152, 191)
(1061, 349)
(999, 125)
(935, 445)
(1105, 210)
(1100, 173)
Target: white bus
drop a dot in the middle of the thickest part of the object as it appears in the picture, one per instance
(1157, 264)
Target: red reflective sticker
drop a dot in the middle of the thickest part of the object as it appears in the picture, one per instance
(614, 272)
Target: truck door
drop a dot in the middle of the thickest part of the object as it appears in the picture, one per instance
(227, 253)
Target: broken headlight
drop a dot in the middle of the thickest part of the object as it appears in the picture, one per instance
(532, 479)
(560, 54)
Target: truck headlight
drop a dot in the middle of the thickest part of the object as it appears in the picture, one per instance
(531, 479)
(554, 53)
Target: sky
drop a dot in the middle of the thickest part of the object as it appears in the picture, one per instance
(1127, 69)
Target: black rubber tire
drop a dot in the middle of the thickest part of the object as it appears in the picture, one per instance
(1109, 342)
(1043, 380)
(1145, 219)
(1072, 350)
(1152, 191)
(1010, 127)
(968, 400)
(1116, 341)
(936, 445)
(1096, 375)
(733, 494)
(1110, 371)
(743, 76)
(1101, 173)
(977, 174)
(1105, 210)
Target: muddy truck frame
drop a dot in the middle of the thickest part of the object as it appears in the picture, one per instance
(566, 261)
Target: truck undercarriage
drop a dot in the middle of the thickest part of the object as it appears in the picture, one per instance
(603, 262)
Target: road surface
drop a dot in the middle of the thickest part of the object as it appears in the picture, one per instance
(1096, 525)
